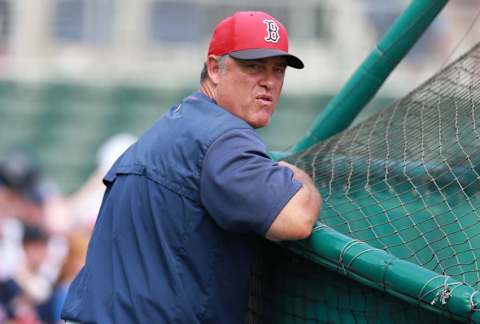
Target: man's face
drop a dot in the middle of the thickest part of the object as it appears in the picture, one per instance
(250, 89)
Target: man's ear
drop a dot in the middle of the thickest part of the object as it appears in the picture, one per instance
(213, 68)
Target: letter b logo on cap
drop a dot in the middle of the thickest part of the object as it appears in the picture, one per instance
(273, 31)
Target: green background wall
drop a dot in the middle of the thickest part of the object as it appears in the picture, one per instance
(63, 124)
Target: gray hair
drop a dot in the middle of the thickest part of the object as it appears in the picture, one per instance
(221, 65)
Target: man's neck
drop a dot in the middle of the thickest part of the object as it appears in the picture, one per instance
(207, 89)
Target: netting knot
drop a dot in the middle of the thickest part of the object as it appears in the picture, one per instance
(442, 296)
(445, 292)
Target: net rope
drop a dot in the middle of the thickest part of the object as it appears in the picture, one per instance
(405, 181)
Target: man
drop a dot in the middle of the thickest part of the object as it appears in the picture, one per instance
(174, 239)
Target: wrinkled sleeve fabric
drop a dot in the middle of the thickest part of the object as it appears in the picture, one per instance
(241, 187)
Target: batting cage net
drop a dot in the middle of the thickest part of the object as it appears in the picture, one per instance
(401, 193)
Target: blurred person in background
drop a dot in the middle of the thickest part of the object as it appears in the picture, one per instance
(11, 232)
(175, 237)
(73, 262)
(20, 202)
(31, 257)
(35, 287)
(43, 234)
(78, 211)
(74, 215)
(24, 187)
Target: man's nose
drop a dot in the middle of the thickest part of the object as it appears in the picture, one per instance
(268, 80)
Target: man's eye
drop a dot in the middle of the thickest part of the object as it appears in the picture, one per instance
(253, 66)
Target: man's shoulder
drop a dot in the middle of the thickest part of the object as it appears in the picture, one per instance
(206, 119)
(204, 109)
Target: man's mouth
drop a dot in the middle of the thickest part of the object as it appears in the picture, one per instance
(264, 99)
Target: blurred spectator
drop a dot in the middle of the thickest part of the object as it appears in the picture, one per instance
(10, 249)
(85, 203)
(34, 287)
(31, 257)
(75, 215)
(80, 209)
(35, 247)
(44, 236)
(20, 201)
(25, 189)
(74, 260)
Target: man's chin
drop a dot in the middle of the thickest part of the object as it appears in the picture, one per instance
(260, 123)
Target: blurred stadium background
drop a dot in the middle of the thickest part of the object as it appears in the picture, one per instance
(74, 72)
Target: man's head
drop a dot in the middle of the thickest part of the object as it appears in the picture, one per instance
(21, 183)
(35, 246)
(246, 63)
(19, 173)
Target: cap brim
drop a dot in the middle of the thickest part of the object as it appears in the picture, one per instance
(254, 54)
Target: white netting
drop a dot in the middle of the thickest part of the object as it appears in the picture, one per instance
(407, 179)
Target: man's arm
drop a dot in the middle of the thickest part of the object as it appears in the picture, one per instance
(296, 219)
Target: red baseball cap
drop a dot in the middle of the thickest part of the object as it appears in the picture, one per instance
(250, 35)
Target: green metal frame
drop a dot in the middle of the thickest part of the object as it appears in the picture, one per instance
(372, 73)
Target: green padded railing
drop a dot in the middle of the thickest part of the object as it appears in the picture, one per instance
(378, 269)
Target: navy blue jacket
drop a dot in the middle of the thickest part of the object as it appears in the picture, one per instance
(173, 242)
